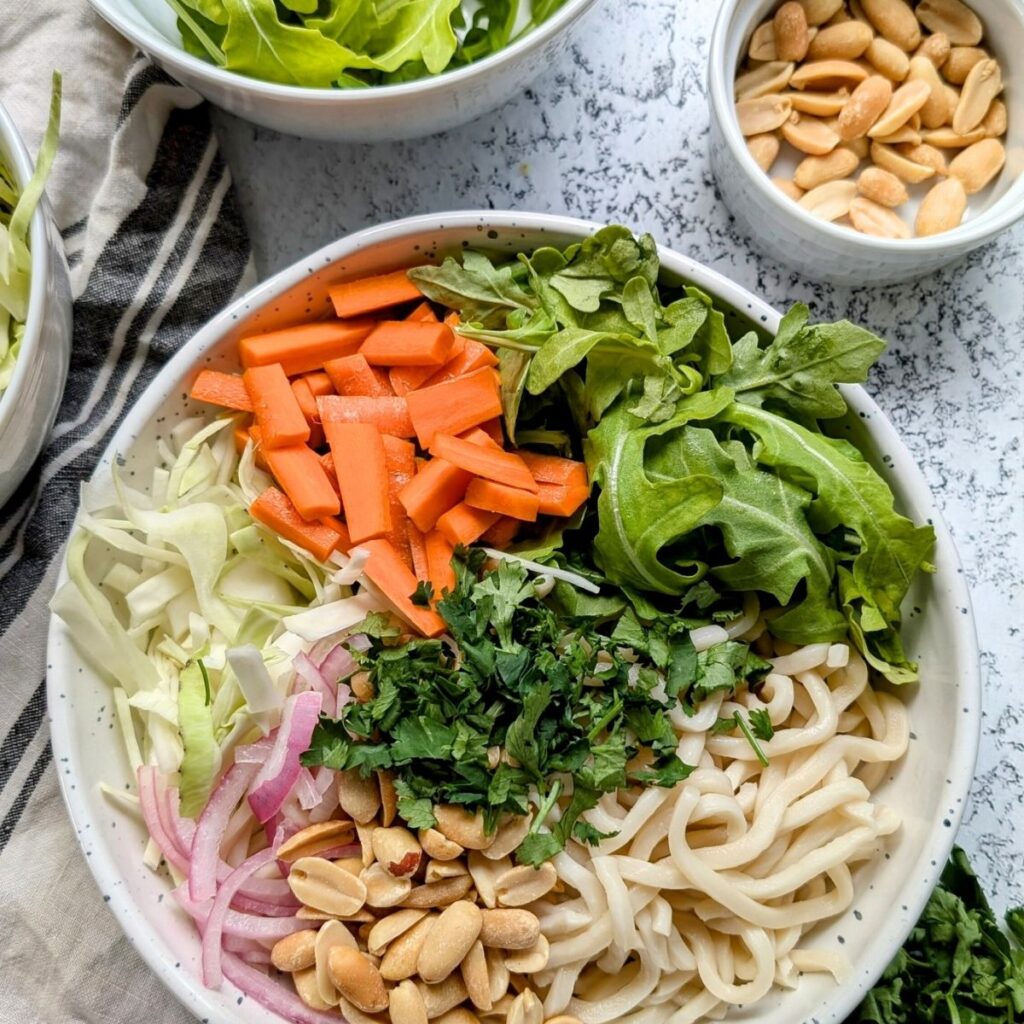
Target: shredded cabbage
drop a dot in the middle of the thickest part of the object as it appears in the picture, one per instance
(16, 209)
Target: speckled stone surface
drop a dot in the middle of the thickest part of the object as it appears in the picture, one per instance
(620, 133)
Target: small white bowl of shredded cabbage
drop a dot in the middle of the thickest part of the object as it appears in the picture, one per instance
(35, 303)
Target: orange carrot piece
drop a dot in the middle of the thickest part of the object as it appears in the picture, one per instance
(465, 524)
(561, 500)
(361, 468)
(510, 501)
(453, 319)
(307, 403)
(300, 475)
(489, 462)
(408, 378)
(275, 406)
(424, 312)
(241, 436)
(327, 465)
(389, 573)
(454, 406)
(389, 414)
(369, 294)
(304, 347)
(493, 429)
(502, 533)
(439, 563)
(273, 509)
(226, 389)
(258, 450)
(473, 356)
(433, 491)
(553, 469)
(353, 375)
(418, 550)
(319, 383)
(408, 343)
(400, 458)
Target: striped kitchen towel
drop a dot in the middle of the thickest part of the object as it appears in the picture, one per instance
(161, 250)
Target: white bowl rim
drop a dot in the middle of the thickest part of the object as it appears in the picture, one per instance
(990, 222)
(153, 42)
(22, 166)
(939, 838)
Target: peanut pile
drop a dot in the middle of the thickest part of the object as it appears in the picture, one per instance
(427, 926)
(901, 87)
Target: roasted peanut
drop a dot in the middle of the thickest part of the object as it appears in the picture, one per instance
(509, 929)
(448, 942)
(397, 850)
(960, 61)
(315, 839)
(882, 187)
(458, 824)
(864, 107)
(935, 111)
(789, 189)
(295, 952)
(308, 990)
(894, 20)
(387, 929)
(359, 798)
(983, 84)
(388, 799)
(764, 149)
(810, 135)
(406, 1004)
(887, 59)
(831, 200)
(523, 884)
(443, 996)
(953, 19)
(326, 887)
(383, 889)
(400, 958)
(827, 75)
(977, 165)
(905, 169)
(942, 208)
(763, 80)
(439, 894)
(906, 101)
(330, 936)
(437, 846)
(936, 48)
(790, 31)
(476, 976)
(873, 219)
(357, 979)
(534, 959)
(526, 1008)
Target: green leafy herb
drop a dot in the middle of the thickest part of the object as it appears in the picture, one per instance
(957, 967)
(761, 724)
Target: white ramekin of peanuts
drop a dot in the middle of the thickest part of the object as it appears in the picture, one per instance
(869, 141)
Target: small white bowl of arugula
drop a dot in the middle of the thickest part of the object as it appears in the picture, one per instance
(526, 621)
(354, 72)
(35, 302)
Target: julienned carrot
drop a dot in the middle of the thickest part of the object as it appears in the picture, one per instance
(424, 312)
(389, 414)
(473, 356)
(275, 406)
(418, 551)
(226, 389)
(490, 462)
(389, 573)
(560, 500)
(510, 501)
(465, 524)
(273, 509)
(307, 403)
(408, 378)
(408, 343)
(361, 468)
(369, 294)
(400, 458)
(436, 487)
(454, 406)
(353, 375)
(439, 563)
(553, 469)
(502, 533)
(304, 347)
(300, 475)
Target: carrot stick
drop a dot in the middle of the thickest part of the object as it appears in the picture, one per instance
(319, 383)
(552, 469)
(359, 462)
(473, 356)
(226, 389)
(454, 406)
(300, 475)
(327, 465)
(307, 403)
(408, 378)
(304, 347)
(277, 411)
(439, 563)
(353, 375)
(561, 500)
(273, 509)
(510, 501)
(502, 533)
(400, 458)
(465, 524)
(389, 573)
(436, 487)
(418, 550)
(489, 462)
(408, 343)
(424, 312)
(494, 431)
(389, 414)
(241, 436)
(369, 294)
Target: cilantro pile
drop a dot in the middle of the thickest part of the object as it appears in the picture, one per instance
(352, 44)
(718, 454)
(958, 966)
(577, 701)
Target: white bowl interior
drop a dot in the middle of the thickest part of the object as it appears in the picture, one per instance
(928, 788)
(1002, 200)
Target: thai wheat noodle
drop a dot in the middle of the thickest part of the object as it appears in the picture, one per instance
(616, 1006)
(623, 926)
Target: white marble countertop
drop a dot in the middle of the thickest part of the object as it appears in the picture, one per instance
(619, 132)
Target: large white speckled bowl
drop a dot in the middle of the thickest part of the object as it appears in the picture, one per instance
(832, 252)
(29, 403)
(928, 787)
(377, 114)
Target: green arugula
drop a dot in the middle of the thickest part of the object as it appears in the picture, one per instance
(957, 966)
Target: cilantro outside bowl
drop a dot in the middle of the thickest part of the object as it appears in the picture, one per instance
(928, 787)
(374, 114)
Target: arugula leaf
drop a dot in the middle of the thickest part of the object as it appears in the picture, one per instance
(482, 293)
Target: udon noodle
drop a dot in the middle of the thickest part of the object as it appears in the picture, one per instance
(701, 899)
